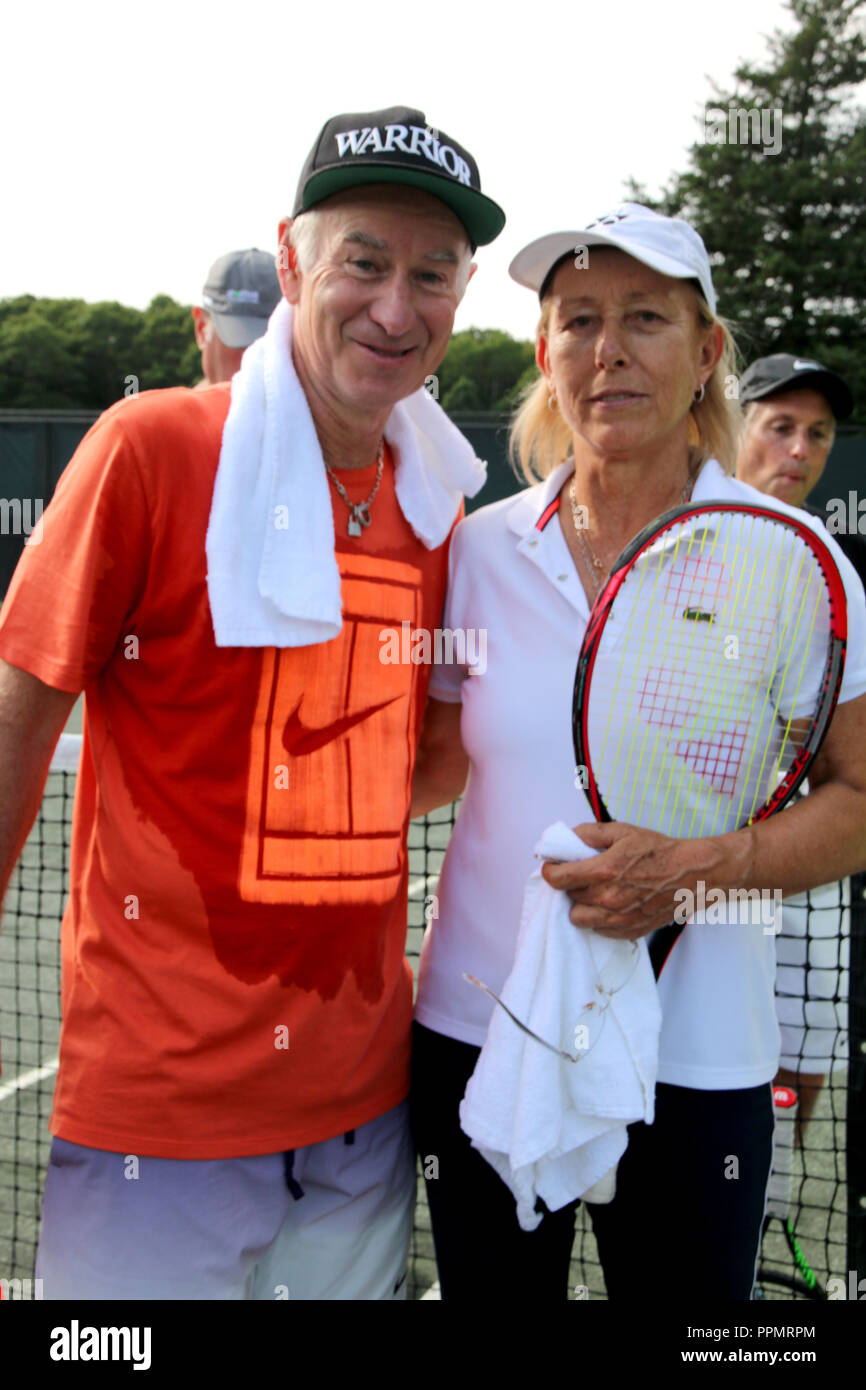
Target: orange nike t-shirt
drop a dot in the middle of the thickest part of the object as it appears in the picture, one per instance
(234, 977)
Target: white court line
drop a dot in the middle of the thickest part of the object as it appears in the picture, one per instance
(29, 1078)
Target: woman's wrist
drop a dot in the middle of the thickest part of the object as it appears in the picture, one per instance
(722, 861)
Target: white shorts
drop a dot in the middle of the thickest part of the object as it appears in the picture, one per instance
(812, 979)
(329, 1221)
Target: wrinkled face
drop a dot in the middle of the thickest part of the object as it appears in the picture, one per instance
(785, 444)
(374, 313)
(625, 353)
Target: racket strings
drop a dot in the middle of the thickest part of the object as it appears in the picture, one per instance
(666, 709)
(680, 574)
(755, 681)
(660, 691)
(791, 626)
(677, 574)
(692, 715)
(725, 746)
(620, 697)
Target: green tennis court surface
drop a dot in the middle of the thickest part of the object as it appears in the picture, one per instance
(29, 1026)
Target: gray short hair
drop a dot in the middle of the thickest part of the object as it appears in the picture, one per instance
(304, 236)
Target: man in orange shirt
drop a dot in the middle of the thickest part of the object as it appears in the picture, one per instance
(216, 572)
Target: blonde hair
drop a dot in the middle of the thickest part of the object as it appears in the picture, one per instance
(540, 439)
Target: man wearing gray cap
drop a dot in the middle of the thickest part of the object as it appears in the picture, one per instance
(240, 294)
(230, 1118)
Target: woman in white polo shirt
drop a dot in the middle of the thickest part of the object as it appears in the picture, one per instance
(629, 418)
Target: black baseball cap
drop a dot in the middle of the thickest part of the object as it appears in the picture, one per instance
(784, 372)
(240, 294)
(398, 146)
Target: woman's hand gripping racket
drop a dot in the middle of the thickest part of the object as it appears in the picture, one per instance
(709, 673)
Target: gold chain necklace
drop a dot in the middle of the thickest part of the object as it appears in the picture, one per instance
(359, 512)
(590, 558)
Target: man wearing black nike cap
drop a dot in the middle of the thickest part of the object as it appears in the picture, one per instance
(791, 405)
(231, 1118)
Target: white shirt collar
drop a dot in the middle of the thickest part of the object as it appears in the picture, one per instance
(712, 483)
(531, 504)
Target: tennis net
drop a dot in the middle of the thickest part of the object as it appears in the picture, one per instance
(30, 1022)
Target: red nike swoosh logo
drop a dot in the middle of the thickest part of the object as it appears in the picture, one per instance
(301, 741)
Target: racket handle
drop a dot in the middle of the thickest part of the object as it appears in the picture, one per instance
(780, 1194)
(663, 941)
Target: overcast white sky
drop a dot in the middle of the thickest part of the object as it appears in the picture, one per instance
(142, 140)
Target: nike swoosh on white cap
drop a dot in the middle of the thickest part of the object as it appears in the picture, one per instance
(802, 366)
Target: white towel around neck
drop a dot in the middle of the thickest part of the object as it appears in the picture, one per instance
(552, 1128)
(272, 574)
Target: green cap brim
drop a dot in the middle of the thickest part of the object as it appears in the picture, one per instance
(482, 218)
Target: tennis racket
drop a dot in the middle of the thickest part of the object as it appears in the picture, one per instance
(800, 1281)
(709, 673)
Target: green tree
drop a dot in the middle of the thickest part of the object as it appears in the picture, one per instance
(167, 354)
(480, 369)
(57, 353)
(107, 334)
(15, 308)
(463, 394)
(39, 364)
(526, 378)
(785, 229)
